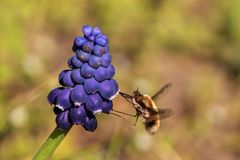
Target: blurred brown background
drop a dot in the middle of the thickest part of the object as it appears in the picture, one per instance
(192, 43)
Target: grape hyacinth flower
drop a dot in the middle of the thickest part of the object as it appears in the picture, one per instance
(87, 86)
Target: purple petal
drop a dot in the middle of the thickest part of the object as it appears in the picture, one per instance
(76, 76)
(82, 56)
(103, 36)
(96, 31)
(63, 99)
(91, 38)
(76, 62)
(94, 103)
(78, 42)
(61, 75)
(106, 60)
(98, 50)
(62, 120)
(91, 85)
(87, 30)
(107, 106)
(115, 87)
(53, 94)
(101, 74)
(101, 41)
(87, 71)
(110, 72)
(106, 48)
(78, 95)
(107, 89)
(70, 64)
(78, 115)
(94, 61)
(65, 78)
(90, 123)
(88, 47)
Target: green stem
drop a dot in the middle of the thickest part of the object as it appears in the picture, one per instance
(51, 144)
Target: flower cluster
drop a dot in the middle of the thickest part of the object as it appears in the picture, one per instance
(88, 86)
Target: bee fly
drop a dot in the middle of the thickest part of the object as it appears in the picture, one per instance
(146, 108)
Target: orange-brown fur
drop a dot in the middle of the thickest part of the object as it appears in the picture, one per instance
(148, 111)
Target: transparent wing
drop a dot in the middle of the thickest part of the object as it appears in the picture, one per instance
(165, 113)
(155, 96)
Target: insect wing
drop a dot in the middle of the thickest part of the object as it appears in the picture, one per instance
(165, 113)
(156, 95)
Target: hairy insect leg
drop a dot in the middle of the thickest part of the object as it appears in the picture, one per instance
(136, 120)
(124, 113)
(121, 117)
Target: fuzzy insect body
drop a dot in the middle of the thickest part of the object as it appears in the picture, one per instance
(146, 108)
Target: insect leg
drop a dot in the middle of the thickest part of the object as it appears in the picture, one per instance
(124, 113)
(120, 117)
(136, 119)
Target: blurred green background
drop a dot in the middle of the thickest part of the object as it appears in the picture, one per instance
(192, 43)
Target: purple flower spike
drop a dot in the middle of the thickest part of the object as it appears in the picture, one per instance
(90, 123)
(96, 31)
(110, 72)
(88, 47)
(82, 56)
(91, 86)
(87, 30)
(94, 103)
(101, 74)
(76, 76)
(87, 71)
(106, 89)
(78, 95)
(106, 60)
(78, 114)
(101, 41)
(107, 106)
(53, 94)
(98, 50)
(62, 120)
(88, 85)
(65, 78)
(63, 99)
(94, 61)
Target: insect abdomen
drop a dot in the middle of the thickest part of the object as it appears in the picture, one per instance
(152, 126)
